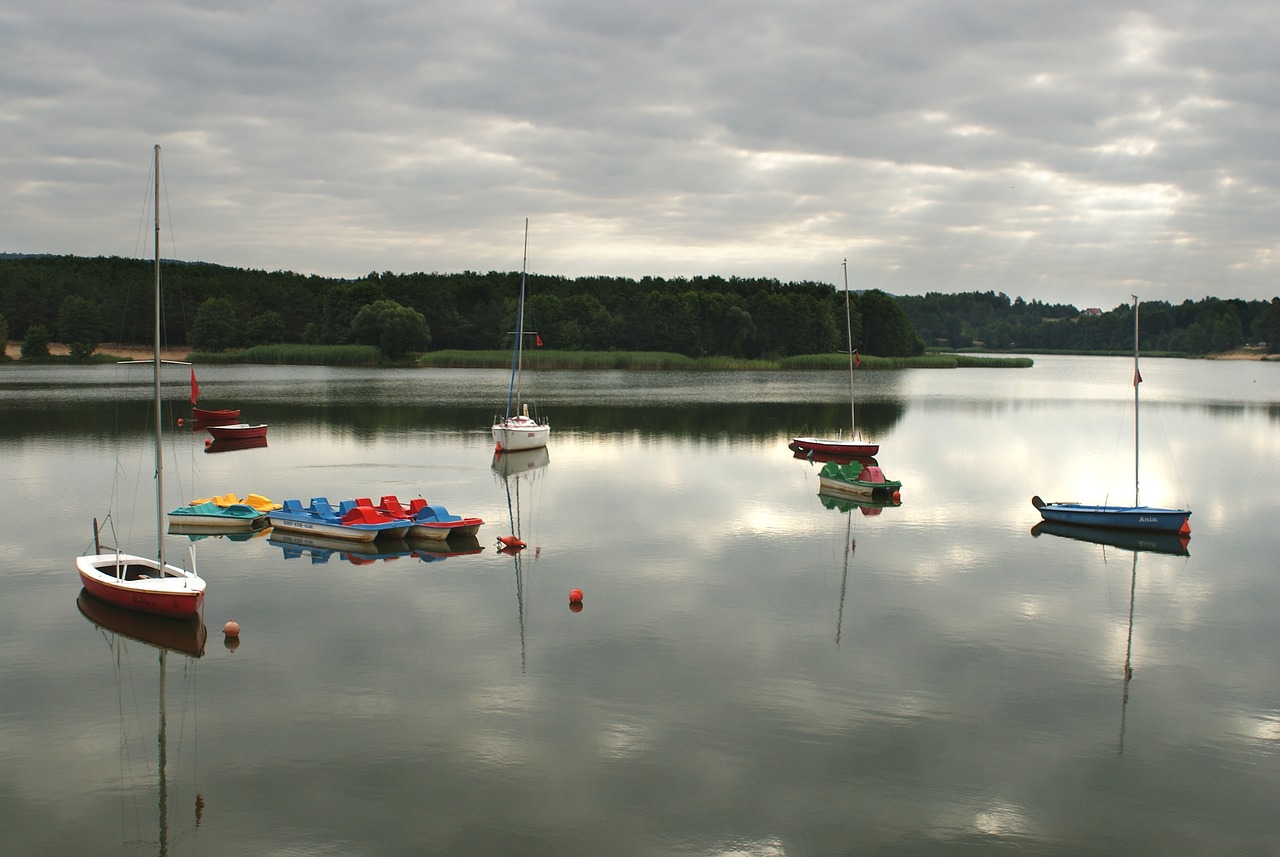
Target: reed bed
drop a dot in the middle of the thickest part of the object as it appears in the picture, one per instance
(307, 355)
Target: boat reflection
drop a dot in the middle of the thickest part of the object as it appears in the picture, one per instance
(519, 469)
(196, 534)
(185, 636)
(320, 550)
(232, 444)
(1175, 544)
(868, 506)
(817, 457)
(434, 550)
(1136, 542)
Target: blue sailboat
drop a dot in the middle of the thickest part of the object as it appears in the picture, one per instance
(1135, 517)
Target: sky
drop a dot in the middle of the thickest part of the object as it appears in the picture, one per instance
(1071, 153)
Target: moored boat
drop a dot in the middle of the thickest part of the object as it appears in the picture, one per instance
(237, 431)
(1135, 517)
(851, 446)
(855, 479)
(429, 520)
(347, 522)
(146, 584)
(229, 518)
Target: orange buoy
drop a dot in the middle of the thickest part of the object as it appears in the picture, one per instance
(511, 541)
(575, 596)
(232, 628)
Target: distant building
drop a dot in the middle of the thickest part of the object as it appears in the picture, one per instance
(1093, 310)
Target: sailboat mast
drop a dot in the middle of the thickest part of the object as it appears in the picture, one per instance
(517, 358)
(848, 328)
(1137, 379)
(155, 375)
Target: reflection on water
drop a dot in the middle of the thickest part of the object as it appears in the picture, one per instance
(757, 668)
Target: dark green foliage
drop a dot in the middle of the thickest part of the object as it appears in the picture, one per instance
(266, 329)
(393, 328)
(4, 328)
(80, 326)
(700, 316)
(35, 345)
(216, 327)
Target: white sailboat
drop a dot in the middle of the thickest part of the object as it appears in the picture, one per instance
(517, 430)
(147, 584)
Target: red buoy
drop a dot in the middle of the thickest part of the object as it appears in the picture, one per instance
(511, 541)
(575, 596)
(232, 628)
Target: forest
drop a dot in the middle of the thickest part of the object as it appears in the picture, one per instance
(87, 300)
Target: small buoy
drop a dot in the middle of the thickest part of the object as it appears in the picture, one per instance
(575, 596)
(207, 441)
(575, 606)
(232, 628)
(511, 541)
(181, 422)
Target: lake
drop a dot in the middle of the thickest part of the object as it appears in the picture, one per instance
(739, 681)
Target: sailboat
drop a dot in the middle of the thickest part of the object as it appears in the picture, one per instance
(517, 430)
(850, 446)
(146, 584)
(1135, 517)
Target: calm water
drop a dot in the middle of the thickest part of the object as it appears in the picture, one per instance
(738, 682)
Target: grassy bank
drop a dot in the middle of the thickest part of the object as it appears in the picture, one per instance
(653, 360)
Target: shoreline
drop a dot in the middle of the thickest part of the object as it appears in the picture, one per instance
(13, 350)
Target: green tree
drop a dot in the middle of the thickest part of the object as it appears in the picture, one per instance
(267, 328)
(886, 330)
(215, 327)
(35, 345)
(80, 325)
(4, 328)
(395, 329)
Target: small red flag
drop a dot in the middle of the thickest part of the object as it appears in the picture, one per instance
(1137, 378)
(857, 361)
(537, 340)
(195, 388)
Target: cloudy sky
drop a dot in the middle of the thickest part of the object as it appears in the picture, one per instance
(1067, 152)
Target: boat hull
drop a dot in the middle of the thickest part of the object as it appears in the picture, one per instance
(233, 518)
(856, 489)
(1151, 541)
(346, 532)
(1140, 518)
(834, 447)
(520, 433)
(237, 431)
(215, 417)
(141, 584)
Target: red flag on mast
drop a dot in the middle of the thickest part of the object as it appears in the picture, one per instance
(1137, 378)
(537, 340)
(857, 361)
(195, 388)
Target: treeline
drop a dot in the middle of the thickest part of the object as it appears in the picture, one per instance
(991, 320)
(215, 308)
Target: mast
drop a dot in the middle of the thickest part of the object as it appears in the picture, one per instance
(155, 374)
(517, 360)
(848, 328)
(1137, 379)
